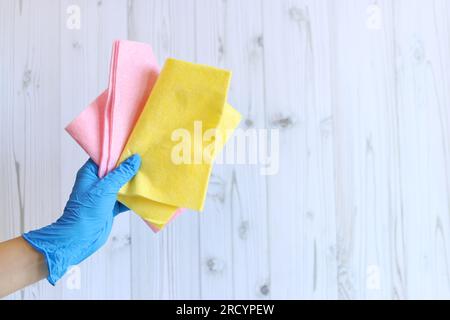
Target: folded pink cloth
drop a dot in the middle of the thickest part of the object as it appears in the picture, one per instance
(103, 128)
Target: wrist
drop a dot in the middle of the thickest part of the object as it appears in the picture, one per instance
(48, 248)
(20, 265)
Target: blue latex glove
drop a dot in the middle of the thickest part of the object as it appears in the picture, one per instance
(87, 219)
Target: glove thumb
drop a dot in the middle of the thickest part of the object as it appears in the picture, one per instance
(117, 178)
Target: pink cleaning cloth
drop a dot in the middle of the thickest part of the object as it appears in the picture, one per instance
(103, 128)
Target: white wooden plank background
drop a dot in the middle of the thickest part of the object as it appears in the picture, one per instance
(359, 91)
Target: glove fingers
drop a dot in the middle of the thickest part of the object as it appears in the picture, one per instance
(89, 167)
(117, 178)
(86, 177)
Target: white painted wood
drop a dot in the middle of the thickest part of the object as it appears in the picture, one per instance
(366, 156)
(36, 119)
(359, 91)
(300, 197)
(423, 59)
(246, 191)
(10, 174)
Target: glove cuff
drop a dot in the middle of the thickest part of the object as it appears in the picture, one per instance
(55, 265)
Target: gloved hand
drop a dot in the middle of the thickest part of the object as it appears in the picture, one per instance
(87, 219)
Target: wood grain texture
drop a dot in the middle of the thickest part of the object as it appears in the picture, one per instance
(301, 196)
(11, 220)
(247, 188)
(36, 106)
(423, 107)
(367, 185)
(359, 91)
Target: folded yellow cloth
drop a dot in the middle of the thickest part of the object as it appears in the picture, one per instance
(186, 116)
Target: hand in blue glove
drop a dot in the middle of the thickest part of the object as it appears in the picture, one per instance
(87, 219)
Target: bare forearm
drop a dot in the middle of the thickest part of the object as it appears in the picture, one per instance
(20, 266)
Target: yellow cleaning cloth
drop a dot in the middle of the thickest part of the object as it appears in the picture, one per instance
(185, 123)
